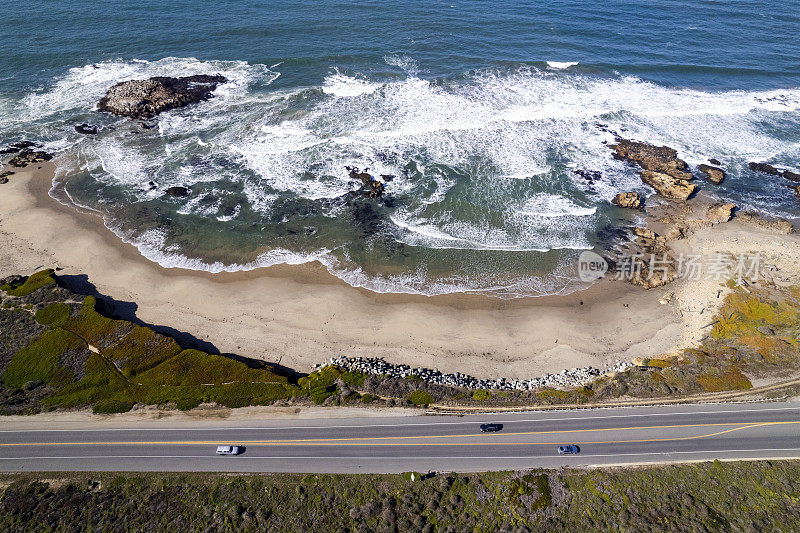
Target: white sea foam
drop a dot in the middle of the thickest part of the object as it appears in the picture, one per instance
(338, 84)
(554, 206)
(561, 65)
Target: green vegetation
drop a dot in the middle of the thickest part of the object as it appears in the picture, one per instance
(112, 406)
(421, 397)
(354, 379)
(321, 385)
(745, 496)
(32, 283)
(54, 314)
(39, 361)
(130, 364)
(481, 395)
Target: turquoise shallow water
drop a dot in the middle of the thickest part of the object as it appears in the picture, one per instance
(482, 111)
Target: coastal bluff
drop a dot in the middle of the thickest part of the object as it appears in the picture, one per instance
(147, 98)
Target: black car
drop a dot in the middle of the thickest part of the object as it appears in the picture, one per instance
(491, 428)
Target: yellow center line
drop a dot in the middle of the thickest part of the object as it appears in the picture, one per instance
(377, 441)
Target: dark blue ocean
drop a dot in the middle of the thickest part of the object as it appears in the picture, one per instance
(482, 110)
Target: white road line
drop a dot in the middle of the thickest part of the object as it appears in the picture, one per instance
(420, 423)
(383, 458)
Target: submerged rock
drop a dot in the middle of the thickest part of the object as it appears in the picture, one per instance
(589, 175)
(791, 176)
(27, 157)
(715, 162)
(764, 168)
(668, 186)
(178, 192)
(370, 187)
(714, 174)
(628, 200)
(147, 98)
(14, 148)
(86, 129)
(661, 159)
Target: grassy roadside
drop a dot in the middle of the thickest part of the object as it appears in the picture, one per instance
(739, 496)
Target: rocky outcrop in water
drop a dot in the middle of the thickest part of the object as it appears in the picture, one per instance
(29, 157)
(663, 170)
(147, 98)
(628, 200)
(566, 378)
(669, 186)
(714, 174)
(764, 168)
(791, 176)
(86, 129)
(370, 187)
(17, 147)
(178, 192)
(661, 159)
(590, 176)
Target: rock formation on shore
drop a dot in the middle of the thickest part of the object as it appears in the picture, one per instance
(628, 200)
(28, 157)
(661, 159)
(668, 186)
(720, 212)
(147, 98)
(663, 171)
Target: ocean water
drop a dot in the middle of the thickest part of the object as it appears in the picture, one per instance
(483, 112)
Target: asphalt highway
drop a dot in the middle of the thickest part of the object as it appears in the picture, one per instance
(425, 443)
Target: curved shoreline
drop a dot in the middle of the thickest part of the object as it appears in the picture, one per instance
(299, 315)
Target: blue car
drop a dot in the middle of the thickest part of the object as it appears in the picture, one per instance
(568, 449)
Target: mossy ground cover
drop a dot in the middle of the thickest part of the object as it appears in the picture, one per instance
(39, 361)
(746, 496)
(130, 364)
(32, 283)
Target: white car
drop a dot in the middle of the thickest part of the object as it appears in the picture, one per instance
(229, 450)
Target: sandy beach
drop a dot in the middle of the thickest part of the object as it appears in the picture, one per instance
(299, 316)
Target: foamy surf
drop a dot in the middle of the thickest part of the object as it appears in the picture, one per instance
(483, 165)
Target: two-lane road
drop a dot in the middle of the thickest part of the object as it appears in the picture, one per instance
(606, 437)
